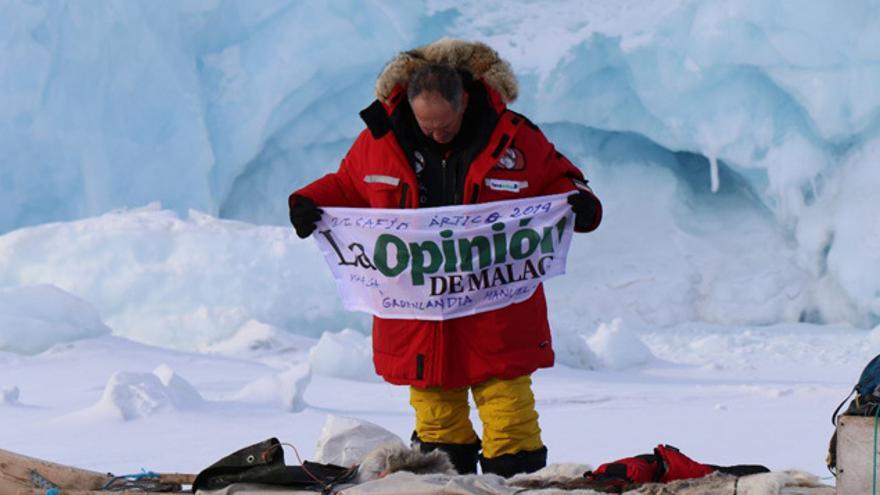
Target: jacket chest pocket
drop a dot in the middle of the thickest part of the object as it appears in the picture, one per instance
(385, 191)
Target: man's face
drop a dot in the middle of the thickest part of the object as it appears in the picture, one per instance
(436, 116)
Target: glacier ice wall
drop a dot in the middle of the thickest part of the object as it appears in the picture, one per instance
(106, 105)
(225, 106)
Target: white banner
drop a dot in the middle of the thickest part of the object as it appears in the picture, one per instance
(448, 262)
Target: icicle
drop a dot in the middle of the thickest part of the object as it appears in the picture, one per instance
(713, 173)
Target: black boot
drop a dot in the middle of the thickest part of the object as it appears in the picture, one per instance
(527, 461)
(463, 456)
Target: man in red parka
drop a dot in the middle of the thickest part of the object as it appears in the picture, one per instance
(440, 134)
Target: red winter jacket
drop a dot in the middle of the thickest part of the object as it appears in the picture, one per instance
(504, 343)
(666, 464)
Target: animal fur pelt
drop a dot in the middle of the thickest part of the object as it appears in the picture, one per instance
(774, 482)
(477, 58)
(560, 479)
(715, 484)
(575, 484)
(722, 484)
(391, 458)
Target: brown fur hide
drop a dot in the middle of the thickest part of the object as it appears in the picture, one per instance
(392, 458)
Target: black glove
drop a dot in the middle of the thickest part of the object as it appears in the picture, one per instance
(303, 215)
(583, 204)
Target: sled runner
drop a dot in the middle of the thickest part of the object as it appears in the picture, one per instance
(23, 475)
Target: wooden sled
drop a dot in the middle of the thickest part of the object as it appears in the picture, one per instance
(22, 475)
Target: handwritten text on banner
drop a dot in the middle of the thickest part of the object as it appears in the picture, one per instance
(443, 263)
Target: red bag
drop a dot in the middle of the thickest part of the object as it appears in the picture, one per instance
(664, 465)
(677, 466)
(638, 469)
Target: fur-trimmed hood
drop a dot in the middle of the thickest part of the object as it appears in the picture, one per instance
(477, 58)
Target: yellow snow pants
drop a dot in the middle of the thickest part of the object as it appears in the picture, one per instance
(506, 407)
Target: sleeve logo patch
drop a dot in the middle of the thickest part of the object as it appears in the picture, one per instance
(512, 159)
(506, 185)
(382, 179)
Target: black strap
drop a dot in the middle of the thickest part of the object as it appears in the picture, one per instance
(403, 194)
(617, 471)
(376, 119)
(420, 366)
(501, 144)
(834, 415)
(661, 464)
(741, 469)
(475, 192)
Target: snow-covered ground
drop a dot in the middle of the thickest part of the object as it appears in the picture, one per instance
(155, 313)
(722, 394)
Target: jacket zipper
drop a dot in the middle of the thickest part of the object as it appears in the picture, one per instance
(475, 193)
(443, 181)
(420, 366)
(403, 194)
(435, 358)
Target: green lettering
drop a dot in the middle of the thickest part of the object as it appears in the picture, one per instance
(547, 246)
(450, 260)
(465, 250)
(528, 236)
(419, 268)
(500, 241)
(380, 255)
(560, 225)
